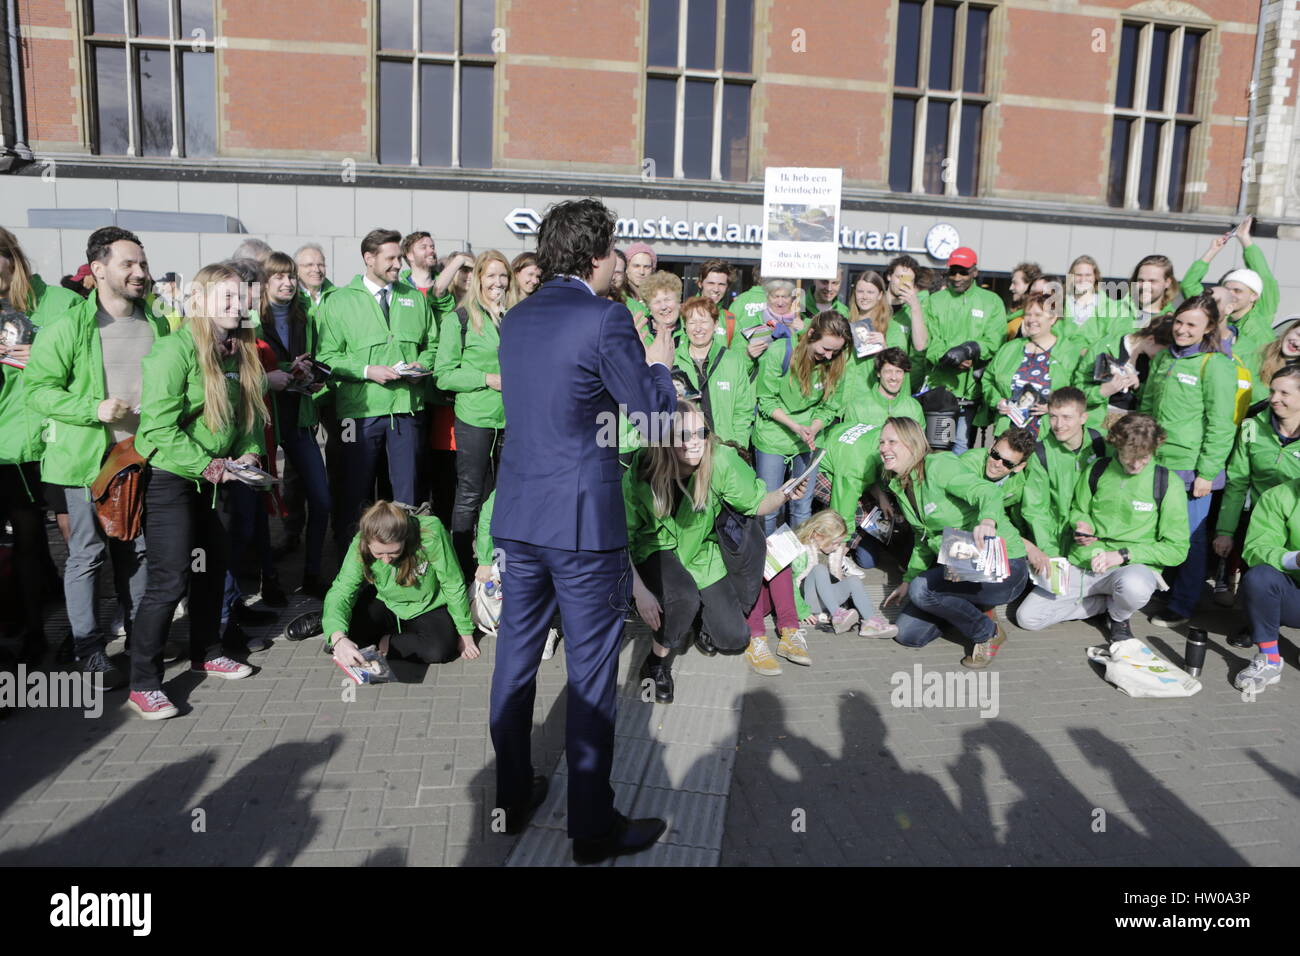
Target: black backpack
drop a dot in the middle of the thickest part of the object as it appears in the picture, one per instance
(1094, 436)
(1159, 483)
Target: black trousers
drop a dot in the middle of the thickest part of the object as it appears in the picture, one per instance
(22, 504)
(682, 602)
(478, 452)
(187, 551)
(430, 638)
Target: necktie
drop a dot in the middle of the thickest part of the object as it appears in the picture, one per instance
(383, 301)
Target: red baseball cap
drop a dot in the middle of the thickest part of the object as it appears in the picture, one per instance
(81, 273)
(963, 256)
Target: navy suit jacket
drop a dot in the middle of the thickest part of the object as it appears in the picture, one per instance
(569, 359)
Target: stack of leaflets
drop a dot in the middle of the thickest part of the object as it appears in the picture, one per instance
(1022, 406)
(783, 546)
(756, 333)
(964, 561)
(1062, 578)
(862, 330)
(250, 474)
(878, 526)
(375, 670)
(410, 371)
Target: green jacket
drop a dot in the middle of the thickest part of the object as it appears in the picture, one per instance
(852, 465)
(354, 334)
(1050, 479)
(1124, 514)
(952, 495)
(687, 532)
(860, 373)
(782, 391)
(21, 428)
(1193, 399)
(438, 583)
(1259, 461)
(1254, 329)
(65, 384)
(1098, 404)
(1013, 487)
(465, 370)
(483, 546)
(977, 315)
(313, 305)
(1274, 528)
(172, 390)
(1062, 366)
(809, 306)
(748, 308)
(871, 405)
(1109, 319)
(731, 393)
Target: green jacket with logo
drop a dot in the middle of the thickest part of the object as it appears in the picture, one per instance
(782, 391)
(871, 405)
(465, 370)
(1124, 514)
(852, 464)
(1274, 528)
(1255, 328)
(952, 495)
(172, 390)
(977, 315)
(21, 428)
(1258, 461)
(1193, 399)
(687, 532)
(1049, 489)
(65, 384)
(354, 335)
(731, 393)
(1109, 319)
(1012, 485)
(1062, 367)
(748, 308)
(438, 583)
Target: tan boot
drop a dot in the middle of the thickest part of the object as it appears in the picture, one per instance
(983, 654)
(760, 657)
(794, 647)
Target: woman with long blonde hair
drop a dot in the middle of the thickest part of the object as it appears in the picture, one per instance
(674, 492)
(468, 364)
(201, 411)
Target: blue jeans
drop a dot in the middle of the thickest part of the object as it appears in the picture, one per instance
(962, 434)
(772, 470)
(1189, 577)
(1272, 600)
(302, 451)
(933, 603)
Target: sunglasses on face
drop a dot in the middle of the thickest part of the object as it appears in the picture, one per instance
(958, 271)
(700, 433)
(998, 458)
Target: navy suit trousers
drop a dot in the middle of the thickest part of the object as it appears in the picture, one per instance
(591, 589)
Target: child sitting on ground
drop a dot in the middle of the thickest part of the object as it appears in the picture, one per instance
(830, 580)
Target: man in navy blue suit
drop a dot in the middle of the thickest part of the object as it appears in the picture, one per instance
(569, 360)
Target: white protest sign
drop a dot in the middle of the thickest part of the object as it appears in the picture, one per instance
(801, 222)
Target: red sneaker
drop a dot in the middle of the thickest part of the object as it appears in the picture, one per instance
(222, 667)
(152, 704)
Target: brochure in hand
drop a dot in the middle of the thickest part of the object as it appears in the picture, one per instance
(375, 671)
(878, 526)
(1107, 367)
(963, 560)
(756, 333)
(15, 329)
(250, 474)
(411, 371)
(862, 329)
(1062, 578)
(1022, 405)
(812, 465)
(783, 546)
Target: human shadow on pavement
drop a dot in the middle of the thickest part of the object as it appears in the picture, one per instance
(257, 816)
(1289, 781)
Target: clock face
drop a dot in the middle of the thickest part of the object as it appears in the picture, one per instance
(941, 240)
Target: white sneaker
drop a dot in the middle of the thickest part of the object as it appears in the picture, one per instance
(553, 637)
(1258, 674)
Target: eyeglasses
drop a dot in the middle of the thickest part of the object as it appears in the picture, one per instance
(700, 433)
(996, 457)
(958, 271)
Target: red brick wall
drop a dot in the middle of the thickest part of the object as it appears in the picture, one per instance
(553, 116)
(49, 78)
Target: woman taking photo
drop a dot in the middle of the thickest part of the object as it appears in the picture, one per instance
(468, 365)
(201, 406)
(674, 494)
(795, 403)
(400, 589)
(291, 334)
(936, 491)
(1191, 392)
(1040, 360)
(716, 373)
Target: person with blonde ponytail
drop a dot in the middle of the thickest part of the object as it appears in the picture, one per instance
(469, 366)
(201, 408)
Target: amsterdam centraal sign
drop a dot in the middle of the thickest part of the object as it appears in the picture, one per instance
(939, 242)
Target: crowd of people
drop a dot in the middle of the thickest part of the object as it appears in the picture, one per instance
(1136, 432)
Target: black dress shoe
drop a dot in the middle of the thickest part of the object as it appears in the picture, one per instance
(659, 670)
(626, 837)
(272, 594)
(254, 617)
(304, 626)
(1242, 639)
(517, 817)
(704, 644)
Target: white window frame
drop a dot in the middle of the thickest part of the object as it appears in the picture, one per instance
(719, 77)
(456, 59)
(1164, 119)
(174, 47)
(921, 94)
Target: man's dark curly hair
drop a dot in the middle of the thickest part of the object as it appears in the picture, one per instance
(571, 235)
(101, 241)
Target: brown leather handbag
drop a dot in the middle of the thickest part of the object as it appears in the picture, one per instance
(118, 490)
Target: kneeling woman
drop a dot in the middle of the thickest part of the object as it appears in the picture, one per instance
(399, 588)
(935, 492)
(200, 406)
(673, 496)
